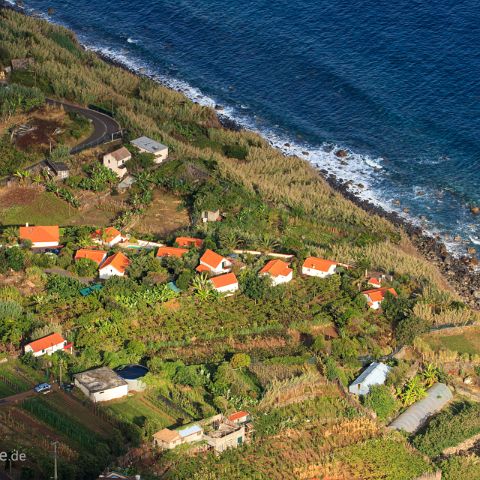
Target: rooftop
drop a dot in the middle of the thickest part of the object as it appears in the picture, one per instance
(151, 146)
(224, 280)
(40, 233)
(374, 374)
(171, 252)
(118, 261)
(96, 256)
(191, 430)
(211, 258)
(319, 264)
(46, 342)
(121, 154)
(166, 435)
(99, 379)
(276, 268)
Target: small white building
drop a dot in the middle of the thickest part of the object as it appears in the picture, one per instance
(147, 145)
(213, 262)
(278, 271)
(318, 267)
(101, 384)
(116, 160)
(376, 296)
(167, 439)
(375, 374)
(114, 265)
(41, 236)
(47, 345)
(226, 283)
(211, 216)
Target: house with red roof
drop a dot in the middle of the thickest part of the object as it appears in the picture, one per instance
(318, 267)
(226, 283)
(189, 242)
(97, 256)
(376, 296)
(114, 265)
(214, 263)
(375, 282)
(109, 236)
(239, 418)
(48, 345)
(278, 271)
(171, 252)
(40, 236)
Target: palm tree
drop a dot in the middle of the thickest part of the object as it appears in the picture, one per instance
(10, 235)
(412, 391)
(267, 243)
(202, 287)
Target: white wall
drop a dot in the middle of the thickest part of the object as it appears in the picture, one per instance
(109, 271)
(228, 288)
(110, 394)
(48, 351)
(280, 279)
(44, 244)
(318, 273)
(224, 267)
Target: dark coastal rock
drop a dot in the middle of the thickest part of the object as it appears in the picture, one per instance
(457, 238)
(360, 185)
(305, 153)
(420, 194)
(396, 202)
(341, 153)
(219, 107)
(406, 210)
(286, 144)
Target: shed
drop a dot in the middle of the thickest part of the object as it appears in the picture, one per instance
(147, 145)
(60, 169)
(375, 374)
(415, 416)
(101, 384)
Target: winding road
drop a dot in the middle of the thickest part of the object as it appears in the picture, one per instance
(105, 128)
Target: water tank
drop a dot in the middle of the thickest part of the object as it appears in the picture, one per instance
(133, 375)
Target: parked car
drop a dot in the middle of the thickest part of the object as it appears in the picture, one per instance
(67, 387)
(43, 388)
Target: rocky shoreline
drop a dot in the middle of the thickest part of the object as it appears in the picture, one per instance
(459, 272)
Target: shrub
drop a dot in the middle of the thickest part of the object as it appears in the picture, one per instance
(381, 401)
(240, 360)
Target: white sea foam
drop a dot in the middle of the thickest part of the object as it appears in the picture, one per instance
(360, 173)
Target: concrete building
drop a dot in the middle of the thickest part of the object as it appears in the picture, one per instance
(226, 435)
(375, 374)
(59, 169)
(416, 415)
(147, 145)
(116, 160)
(167, 439)
(318, 267)
(211, 216)
(101, 384)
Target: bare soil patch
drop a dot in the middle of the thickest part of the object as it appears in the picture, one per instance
(18, 195)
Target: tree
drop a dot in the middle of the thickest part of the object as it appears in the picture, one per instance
(254, 286)
(409, 328)
(381, 401)
(184, 279)
(240, 360)
(203, 287)
(15, 257)
(84, 267)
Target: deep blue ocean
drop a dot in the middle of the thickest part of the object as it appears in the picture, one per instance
(396, 83)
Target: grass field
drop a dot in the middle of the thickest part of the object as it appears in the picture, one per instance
(139, 410)
(15, 378)
(19, 205)
(467, 342)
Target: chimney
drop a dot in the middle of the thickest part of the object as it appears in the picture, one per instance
(137, 477)
(26, 224)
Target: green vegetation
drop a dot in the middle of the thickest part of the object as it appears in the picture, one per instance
(449, 428)
(381, 401)
(461, 468)
(17, 98)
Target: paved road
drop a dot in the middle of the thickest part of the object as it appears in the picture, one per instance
(104, 127)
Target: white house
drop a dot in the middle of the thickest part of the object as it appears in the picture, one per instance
(47, 345)
(376, 296)
(226, 283)
(213, 262)
(278, 271)
(211, 216)
(318, 267)
(101, 384)
(147, 145)
(41, 236)
(114, 265)
(375, 374)
(109, 236)
(116, 160)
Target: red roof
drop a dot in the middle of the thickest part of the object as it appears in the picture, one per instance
(40, 234)
(96, 256)
(378, 294)
(202, 268)
(118, 261)
(224, 280)
(237, 415)
(277, 268)
(211, 259)
(374, 281)
(107, 234)
(189, 242)
(320, 264)
(171, 252)
(46, 342)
